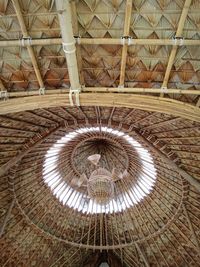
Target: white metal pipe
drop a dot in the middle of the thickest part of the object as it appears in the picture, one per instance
(65, 19)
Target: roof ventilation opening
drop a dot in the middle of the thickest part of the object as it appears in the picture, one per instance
(114, 185)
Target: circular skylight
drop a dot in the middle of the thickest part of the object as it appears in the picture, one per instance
(80, 201)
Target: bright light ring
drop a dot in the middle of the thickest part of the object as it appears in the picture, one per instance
(80, 201)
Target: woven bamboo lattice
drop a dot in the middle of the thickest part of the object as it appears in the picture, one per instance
(119, 43)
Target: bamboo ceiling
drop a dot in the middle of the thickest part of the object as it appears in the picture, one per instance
(124, 66)
(116, 47)
(163, 227)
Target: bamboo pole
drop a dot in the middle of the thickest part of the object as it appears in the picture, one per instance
(144, 258)
(2, 87)
(99, 41)
(65, 19)
(127, 23)
(4, 168)
(161, 124)
(198, 102)
(111, 90)
(175, 47)
(29, 48)
(6, 218)
(149, 103)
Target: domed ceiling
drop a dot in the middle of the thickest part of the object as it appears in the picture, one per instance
(99, 133)
(153, 215)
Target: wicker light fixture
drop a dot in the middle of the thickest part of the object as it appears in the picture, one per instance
(101, 186)
(92, 186)
(101, 183)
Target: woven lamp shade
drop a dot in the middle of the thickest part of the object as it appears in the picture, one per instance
(101, 187)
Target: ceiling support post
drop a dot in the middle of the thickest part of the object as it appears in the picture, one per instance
(65, 18)
(183, 173)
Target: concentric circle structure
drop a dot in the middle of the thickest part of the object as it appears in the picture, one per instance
(147, 210)
(57, 206)
(116, 148)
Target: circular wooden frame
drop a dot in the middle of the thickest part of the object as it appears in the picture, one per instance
(148, 103)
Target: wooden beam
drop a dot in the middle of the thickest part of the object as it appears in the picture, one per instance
(2, 87)
(127, 23)
(160, 124)
(175, 47)
(149, 103)
(129, 90)
(198, 102)
(99, 41)
(6, 218)
(144, 258)
(133, 42)
(30, 145)
(170, 162)
(29, 48)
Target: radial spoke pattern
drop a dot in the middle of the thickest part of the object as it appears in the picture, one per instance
(105, 141)
(154, 216)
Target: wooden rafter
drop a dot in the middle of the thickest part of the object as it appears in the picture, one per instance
(31, 144)
(171, 163)
(2, 87)
(141, 253)
(175, 47)
(7, 216)
(127, 23)
(29, 48)
(191, 227)
(161, 124)
(198, 102)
